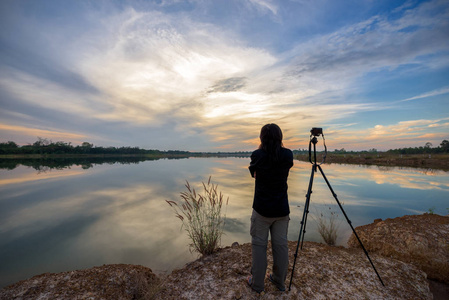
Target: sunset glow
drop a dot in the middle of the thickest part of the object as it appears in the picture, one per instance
(206, 75)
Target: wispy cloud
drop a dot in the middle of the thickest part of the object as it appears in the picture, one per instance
(404, 134)
(32, 133)
(373, 45)
(266, 5)
(163, 74)
(437, 92)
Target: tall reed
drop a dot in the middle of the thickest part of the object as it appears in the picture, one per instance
(201, 216)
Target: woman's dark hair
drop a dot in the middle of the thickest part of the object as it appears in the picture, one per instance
(271, 140)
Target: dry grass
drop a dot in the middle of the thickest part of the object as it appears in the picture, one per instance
(201, 217)
(328, 224)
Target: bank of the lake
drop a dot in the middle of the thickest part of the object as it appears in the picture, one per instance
(438, 161)
(433, 161)
(321, 272)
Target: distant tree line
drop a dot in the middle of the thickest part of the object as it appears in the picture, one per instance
(427, 148)
(44, 146)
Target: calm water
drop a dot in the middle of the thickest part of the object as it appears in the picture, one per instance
(76, 218)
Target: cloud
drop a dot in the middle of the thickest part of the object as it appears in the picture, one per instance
(157, 65)
(373, 45)
(229, 85)
(409, 133)
(265, 5)
(35, 132)
(159, 73)
(437, 92)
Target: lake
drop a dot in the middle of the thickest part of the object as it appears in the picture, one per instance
(54, 220)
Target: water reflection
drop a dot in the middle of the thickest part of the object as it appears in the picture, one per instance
(76, 218)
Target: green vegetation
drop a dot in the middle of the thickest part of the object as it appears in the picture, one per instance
(201, 217)
(418, 157)
(45, 155)
(426, 149)
(47, 147)
(44, 150)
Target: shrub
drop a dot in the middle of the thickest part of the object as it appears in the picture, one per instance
(201, 217)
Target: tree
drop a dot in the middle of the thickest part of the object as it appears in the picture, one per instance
(41, 142)
(87, 145)
(9, 144)
(8, 147)
(445, 145)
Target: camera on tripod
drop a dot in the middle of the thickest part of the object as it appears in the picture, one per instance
(316, 131)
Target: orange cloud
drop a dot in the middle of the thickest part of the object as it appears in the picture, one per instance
(34, 132)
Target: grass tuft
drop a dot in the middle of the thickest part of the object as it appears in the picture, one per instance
(328, 226)
(200, 214)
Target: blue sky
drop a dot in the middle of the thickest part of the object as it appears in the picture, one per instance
(206, 75)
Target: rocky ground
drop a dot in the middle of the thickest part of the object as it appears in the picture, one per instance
(322, 272)
(106, 282)
(422, 240)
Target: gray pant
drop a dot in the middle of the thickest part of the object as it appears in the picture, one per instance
(278, 227)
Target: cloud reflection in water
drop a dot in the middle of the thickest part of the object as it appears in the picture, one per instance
(74, 218)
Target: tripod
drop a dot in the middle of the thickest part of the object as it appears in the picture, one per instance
(317, 132)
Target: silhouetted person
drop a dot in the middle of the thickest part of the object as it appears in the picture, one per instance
(270, 165)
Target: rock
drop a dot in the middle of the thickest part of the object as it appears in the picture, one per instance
(321, 272)
(106, 282)
(422, 240)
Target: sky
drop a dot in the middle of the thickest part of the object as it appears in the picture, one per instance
(206, 75)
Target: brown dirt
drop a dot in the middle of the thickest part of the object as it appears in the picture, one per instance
(402, 250)
(322, 272)
(107, 282)
(422, 240)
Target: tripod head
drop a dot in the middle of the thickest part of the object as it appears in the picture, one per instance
(314, 133)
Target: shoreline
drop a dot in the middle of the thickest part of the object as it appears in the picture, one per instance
(420, 161)
(322, 271)
(427, 161)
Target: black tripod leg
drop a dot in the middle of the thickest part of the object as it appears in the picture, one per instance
(307, 204)
(350, 224)
(303, 222)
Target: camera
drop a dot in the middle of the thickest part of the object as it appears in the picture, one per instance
(316, 131)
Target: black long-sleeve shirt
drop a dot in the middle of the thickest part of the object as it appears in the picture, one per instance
(270, 195)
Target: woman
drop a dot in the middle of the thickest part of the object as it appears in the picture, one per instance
(270, 165)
